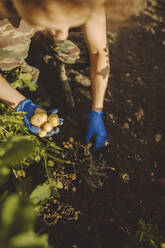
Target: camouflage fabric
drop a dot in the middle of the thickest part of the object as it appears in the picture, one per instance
(14, 43)
(77, 37)
(70, 51)
(66, 51)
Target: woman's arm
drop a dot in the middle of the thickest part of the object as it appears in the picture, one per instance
(96, 38)
(9, 95)
(95, 35)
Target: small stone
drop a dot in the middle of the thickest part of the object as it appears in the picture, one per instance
(156, 67)
(126, 125)
(111, 116)
(129, 101)
(74, 189)
(127, 75)
(155, 165)
(158, 138)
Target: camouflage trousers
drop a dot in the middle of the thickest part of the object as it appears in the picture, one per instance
(72, 58)
(70, 51)
(73, 50)
(64, 54)
(69, 57)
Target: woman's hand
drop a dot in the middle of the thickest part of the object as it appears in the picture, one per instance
(96, 128)
(29, 107)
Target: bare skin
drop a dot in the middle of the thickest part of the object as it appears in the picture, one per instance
(9, 95)
(93, 24)
(95, 34)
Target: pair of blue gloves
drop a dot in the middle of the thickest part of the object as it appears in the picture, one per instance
(95, 123)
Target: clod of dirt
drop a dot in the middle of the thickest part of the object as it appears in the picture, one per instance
(55, 210)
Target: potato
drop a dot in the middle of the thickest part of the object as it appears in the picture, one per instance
(54, 120)
(38, 110)
(47, 127)
(42, 133)
(38, 119)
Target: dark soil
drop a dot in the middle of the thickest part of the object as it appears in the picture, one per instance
(105, 194)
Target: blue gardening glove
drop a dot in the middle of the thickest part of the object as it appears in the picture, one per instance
(29, 107)
(96, 128)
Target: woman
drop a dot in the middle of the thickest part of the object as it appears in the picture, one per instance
(59, 17)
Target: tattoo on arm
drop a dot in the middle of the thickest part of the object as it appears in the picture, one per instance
(105, 71)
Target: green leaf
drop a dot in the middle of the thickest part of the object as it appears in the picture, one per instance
(26, 76)
(41, 193)
(16, 149)
(17, 215)
(17, 84)
(57, 184)
(9, 210)
(29, 240)
(4, 171)
(153, 243)
(30, 85)
(27, 79)
(55, 193)
(163, 245)
(3, 196)
(24, 185)
(141, 236)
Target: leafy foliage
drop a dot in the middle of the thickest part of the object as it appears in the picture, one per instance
(19, 149)
(16, 221)
(15, 150)
(19, 79)
(41, 193)
(148, 235)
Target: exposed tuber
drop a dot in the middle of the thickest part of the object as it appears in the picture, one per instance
(47, 127)
(38, 119)
(39, 110)
(42, 133)
(44, 122)
(54, 120)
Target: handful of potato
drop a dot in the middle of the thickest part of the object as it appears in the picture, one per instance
(44, 121)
